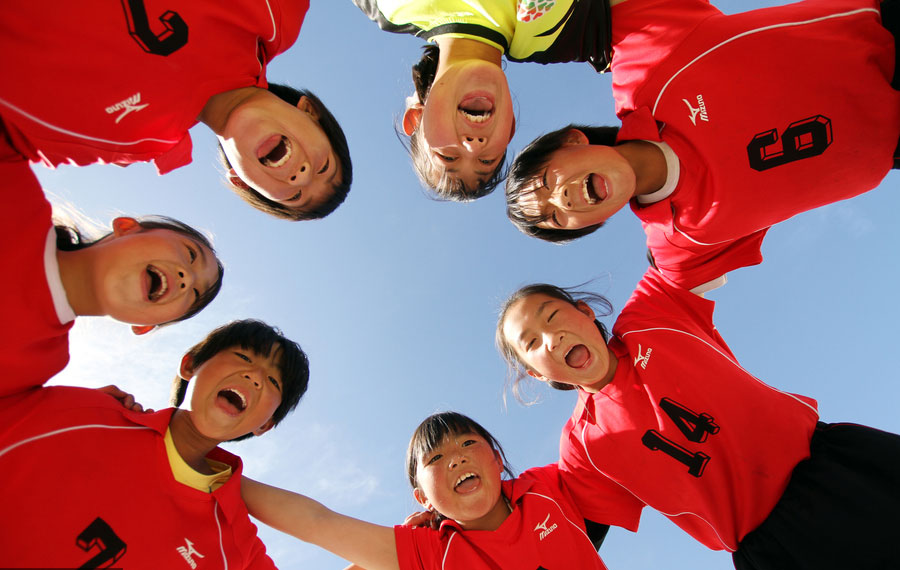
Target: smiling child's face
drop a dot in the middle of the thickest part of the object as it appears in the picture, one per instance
(461, 480)
(555, 340)
(281, 151)
(234, 393)
(149, 277)
(467, 121)
(583, 185)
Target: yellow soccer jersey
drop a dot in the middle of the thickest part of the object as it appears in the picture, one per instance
(542, 31)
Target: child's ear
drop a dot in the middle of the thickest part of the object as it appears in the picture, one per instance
(574, 136)
(512, 128)
(142, 329)
(412, 117)
(124, 225)
(585, 308)
(422, 499)
(186, 370)
(237, 180)
(306, 105)
(270, 423)
(534, 374)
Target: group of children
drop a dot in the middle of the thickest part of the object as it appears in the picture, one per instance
(730, 124)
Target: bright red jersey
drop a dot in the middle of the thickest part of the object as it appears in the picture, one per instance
(544, 530)
(771, 113)
(122, 82)
(682, 428)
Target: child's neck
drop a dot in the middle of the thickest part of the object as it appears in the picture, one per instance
(79, 281)
(191, 445)
(493, 519)
(649, 164)
(454, 50)
(218, 107)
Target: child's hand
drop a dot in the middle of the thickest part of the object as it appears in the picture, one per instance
(125, 398)
(424, 518)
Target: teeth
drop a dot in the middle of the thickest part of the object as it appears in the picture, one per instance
(480, 118)
(462, 478)
(285, 146)
(585, 190)
(239, 395)
(160, 289)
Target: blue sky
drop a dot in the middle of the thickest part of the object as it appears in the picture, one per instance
(395, 296)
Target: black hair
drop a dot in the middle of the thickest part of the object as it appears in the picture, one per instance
(441, 185)
(528, 167)
(432, 432)
(516, 370)
(263, 339)
(338, 140)
(70, 238)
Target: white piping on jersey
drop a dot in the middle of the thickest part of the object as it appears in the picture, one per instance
(689, 238)
(64, 430)
(447, 550)
(788, 394)
(274, 28)
(756, 31)
(729, 359)
(79, 135)
(219, 528)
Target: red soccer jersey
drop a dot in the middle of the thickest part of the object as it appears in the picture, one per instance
(34, 345)
(544, 530)
(771, 113)
(682, 427)
(87, 483)
(122, 82)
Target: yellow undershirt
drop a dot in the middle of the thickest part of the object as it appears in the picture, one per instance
(186, 475)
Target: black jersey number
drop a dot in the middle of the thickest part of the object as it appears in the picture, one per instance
(99, 534)
(167, 42)
(695, 427)
(802, 139)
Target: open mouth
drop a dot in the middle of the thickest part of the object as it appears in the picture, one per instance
(275, 151)
(477, 109)
(577, 356)
(466, 483)
(159, 284)
(233, 399)
(594, 189)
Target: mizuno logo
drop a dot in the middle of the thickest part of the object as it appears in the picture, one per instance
(643, 359)
(126, 106)
(188, 553)
(701, 109)
(545, 530)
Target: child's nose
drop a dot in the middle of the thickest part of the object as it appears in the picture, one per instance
(185, 279)
(303, 173)
(473, 144)
(551, 340)
(456, 461)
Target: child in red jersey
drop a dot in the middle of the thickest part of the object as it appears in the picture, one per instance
(461, 119)
(145, 272)
(87, 483)
(124, 83)
(455, 468)
(730, 124)
(667, 418)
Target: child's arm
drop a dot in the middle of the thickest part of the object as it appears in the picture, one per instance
(371, 546)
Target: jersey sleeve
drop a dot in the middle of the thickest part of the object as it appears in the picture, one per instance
(417, 548)
(596, 497)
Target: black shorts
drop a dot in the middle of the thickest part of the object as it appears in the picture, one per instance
(841, 508)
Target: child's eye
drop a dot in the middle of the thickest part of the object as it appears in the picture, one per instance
(196, 295)
(243, 356)
(275, 382)
(192, 253)
(469, 442)
(445, 158)
(486, 161)
(433, 458)
(555, 220)
(530, 344)
(553, 314)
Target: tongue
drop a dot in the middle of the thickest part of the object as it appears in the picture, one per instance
(268, 146)
(226, 402)
(467, 485)
(476, 104)
(599, 186)
(577, 356)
